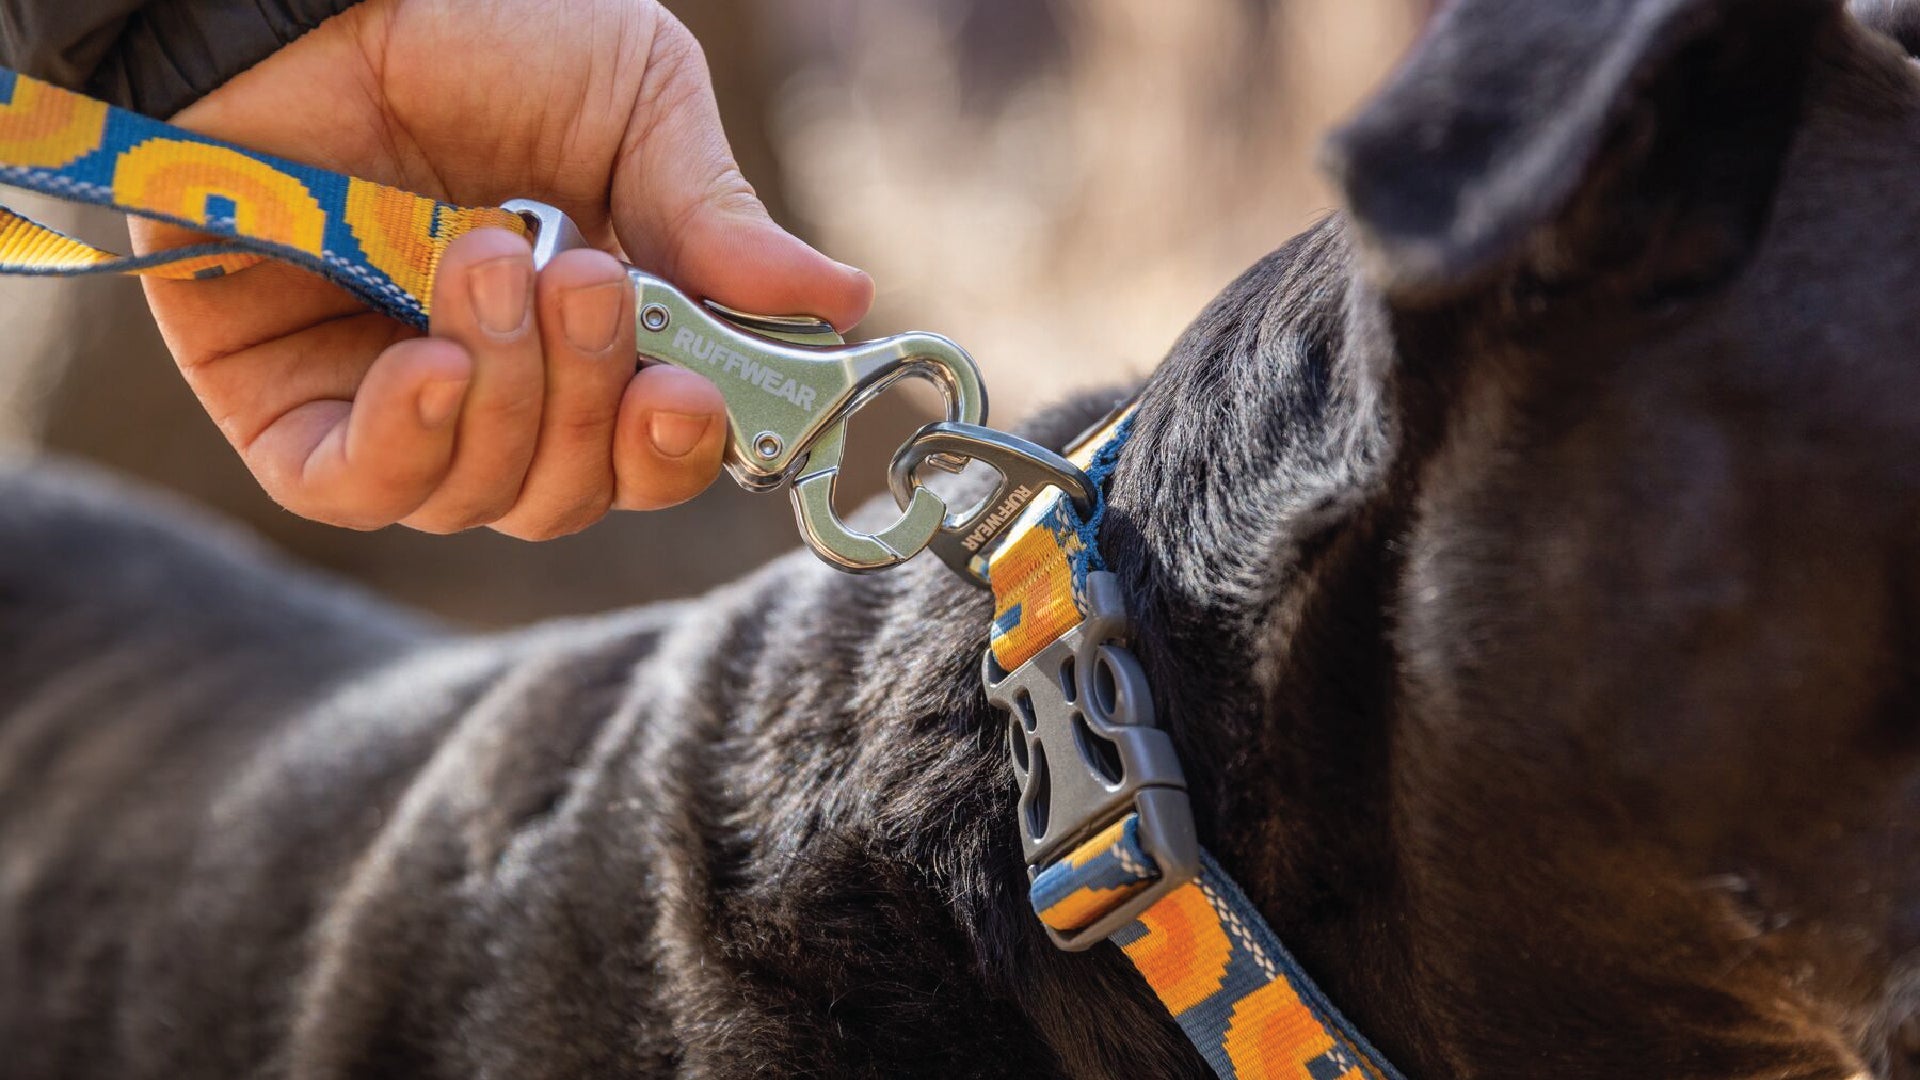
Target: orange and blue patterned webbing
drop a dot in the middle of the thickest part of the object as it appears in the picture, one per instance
(1234, 989)
(1039, 572)
(1209, 956)
(380, 243)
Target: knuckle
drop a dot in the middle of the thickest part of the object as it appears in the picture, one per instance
(527, 533)
(432, 527)
(342, 516)
(676, 63)
(454, 517)
(675, 78)
(347, 503)
(727, 194)
(443, 524)
(360, 524)
(674, 73)
(516, 528)
(513, 417)
(552, 525)
(587, 513)
(729, 191)
(486, 513)
(588, 425)
(371, 497)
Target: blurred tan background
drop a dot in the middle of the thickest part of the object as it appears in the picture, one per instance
(1060, 185)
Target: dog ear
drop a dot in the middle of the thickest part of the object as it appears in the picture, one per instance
(1578, 137)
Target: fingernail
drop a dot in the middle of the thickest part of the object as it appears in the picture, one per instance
(590, 316)
(499, 291)
(675, 435)
(439, 401)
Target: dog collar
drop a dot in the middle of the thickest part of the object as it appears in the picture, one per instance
(1104, 816)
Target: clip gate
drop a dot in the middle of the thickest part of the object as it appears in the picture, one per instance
(791, 383)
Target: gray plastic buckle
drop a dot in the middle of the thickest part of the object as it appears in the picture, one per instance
(1084, 746)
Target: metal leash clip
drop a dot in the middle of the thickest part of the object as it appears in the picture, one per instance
(1026, 470)
(791, 383)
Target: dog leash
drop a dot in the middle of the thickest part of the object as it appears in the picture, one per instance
(790, 383)
(1105, 822)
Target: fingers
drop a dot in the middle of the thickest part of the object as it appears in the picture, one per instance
(511, 414)
(539, 451)
(523, 412)
(367, 463)
(682, 208)
(584, 308)
(581, 465)
(671, 432)
(483, 302)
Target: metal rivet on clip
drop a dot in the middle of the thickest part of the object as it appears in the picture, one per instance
(655, 317)
(768, 445)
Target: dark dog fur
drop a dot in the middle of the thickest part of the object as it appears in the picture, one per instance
(1531, 595)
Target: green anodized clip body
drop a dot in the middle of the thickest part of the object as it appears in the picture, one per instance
(791, 384)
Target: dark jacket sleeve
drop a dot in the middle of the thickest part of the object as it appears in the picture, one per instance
(153, 56)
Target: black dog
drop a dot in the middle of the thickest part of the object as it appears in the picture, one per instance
(1532, 597)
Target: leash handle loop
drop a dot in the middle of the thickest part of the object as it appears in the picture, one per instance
(377, 242)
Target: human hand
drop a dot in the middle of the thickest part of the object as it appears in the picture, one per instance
(521, 410)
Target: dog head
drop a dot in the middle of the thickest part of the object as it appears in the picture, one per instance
(1537, 593)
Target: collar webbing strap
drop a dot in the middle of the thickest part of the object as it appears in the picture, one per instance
(1039, 570)
(380, 243)
(1203, 947)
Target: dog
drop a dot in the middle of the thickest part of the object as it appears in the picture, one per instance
(1524, 562)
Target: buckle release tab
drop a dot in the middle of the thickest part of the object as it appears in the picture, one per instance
(1105, 823)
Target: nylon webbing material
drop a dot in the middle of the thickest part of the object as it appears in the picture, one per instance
(380, 243)
(1039, 571)
(1238, 994)
(1209, 956)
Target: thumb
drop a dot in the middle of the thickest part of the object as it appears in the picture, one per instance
(682, 209)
